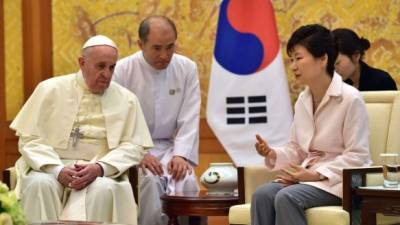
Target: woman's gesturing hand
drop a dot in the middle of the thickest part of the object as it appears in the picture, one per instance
(263, 149)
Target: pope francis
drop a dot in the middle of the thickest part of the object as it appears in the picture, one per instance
(78, 135)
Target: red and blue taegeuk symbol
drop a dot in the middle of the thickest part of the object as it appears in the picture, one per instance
(247, 39)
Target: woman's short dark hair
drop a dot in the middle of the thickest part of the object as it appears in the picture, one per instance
(349, 42)
(318, 40)
(144, 27)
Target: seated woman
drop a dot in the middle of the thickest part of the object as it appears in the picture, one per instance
(354, 71)
(329, 132)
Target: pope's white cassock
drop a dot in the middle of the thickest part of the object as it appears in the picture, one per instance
(113, 134)
(170, 99)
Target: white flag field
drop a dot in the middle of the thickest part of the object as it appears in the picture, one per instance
(248, 91)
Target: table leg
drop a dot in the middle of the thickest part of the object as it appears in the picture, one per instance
(368, 217)
(173, 220)
(195, 220)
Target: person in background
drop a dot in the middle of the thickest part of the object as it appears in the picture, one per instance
(329, 133)
(78, 135)
(168, 89)
(353, 69)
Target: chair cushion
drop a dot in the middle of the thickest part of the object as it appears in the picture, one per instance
(327, 215)
(387, 220)
(239, 214)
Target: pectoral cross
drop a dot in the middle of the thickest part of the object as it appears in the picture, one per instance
(75, 136)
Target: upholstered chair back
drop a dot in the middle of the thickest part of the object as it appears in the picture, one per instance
(384, 122)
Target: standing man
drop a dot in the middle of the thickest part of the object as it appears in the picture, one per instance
(168, 89)
(78, 135)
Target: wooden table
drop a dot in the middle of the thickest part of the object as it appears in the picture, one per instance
(70, 222)
(378, 201)
(196, 204)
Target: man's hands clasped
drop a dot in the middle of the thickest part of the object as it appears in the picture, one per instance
(79, 176)
(177, 166)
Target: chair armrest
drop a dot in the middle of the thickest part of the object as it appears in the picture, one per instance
(10, 177)
(241, 186)
(7, 177)
(134, 180)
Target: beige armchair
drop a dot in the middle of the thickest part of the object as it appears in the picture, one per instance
(384, 123)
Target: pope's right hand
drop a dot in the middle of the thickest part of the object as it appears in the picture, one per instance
(151, 163)
(66, 176)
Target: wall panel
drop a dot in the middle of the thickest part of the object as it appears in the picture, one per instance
(37, 64)
(2, 90)
(37, 43)
(11, 147)
(13, 57)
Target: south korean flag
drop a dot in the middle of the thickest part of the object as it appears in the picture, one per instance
(248, 90)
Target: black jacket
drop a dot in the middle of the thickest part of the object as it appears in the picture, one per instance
(372, 79)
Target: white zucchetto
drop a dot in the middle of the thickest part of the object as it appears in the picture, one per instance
(99, 40)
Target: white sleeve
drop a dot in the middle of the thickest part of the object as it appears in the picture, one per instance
(134, 144)
(39, 155)
(356, 152)
(187, 136)
(290, 153)
(53, 169)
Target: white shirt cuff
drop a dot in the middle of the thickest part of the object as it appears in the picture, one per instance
(107, 169)
(53, 169)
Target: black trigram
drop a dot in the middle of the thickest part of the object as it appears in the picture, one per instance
(254, 109)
